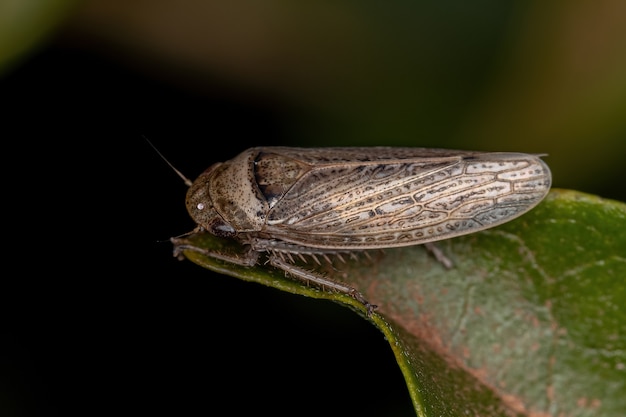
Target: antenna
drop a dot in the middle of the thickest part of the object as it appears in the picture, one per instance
(180, 174)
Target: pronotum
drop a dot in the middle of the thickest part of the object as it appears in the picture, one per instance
(289, 202)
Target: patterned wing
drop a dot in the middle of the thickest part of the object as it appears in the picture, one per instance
(343, 198)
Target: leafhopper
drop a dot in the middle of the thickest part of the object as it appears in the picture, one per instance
(295, 202)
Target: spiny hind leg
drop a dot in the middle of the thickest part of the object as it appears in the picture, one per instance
(320, 281)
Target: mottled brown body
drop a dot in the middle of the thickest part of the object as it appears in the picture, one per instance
(287, 201)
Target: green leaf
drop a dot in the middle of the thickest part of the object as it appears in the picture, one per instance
(531, 320)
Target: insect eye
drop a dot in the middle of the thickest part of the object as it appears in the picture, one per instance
(221, 229)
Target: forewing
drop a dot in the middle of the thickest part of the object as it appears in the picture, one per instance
(395, 198)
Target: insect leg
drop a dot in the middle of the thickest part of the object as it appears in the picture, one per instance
(320, 281)
(249, 259)
(439, 255)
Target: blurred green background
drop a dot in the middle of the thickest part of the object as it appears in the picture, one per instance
(545, 77)
(82, 81)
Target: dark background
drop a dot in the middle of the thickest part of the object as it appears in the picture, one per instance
(98, 317)
(97, 314)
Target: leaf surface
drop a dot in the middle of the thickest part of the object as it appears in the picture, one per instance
(530, 321)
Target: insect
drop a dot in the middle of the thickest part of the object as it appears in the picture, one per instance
(295, 202)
